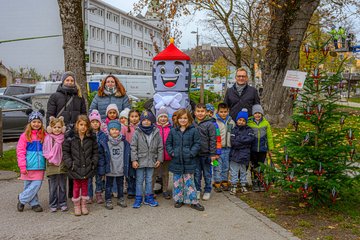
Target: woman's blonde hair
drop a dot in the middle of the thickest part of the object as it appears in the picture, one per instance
(85, 119)
(180, 113)
(120, 90)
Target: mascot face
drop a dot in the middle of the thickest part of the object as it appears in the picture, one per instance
(171, 75)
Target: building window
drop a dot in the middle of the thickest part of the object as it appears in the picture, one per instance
(109, 59)
(116, 18)
(98, 34)
(93, 56)
(93, 34)
(97, 57)
(123, 40)
(102, 34)
(108, 15)
(100, 12)
(140, 28)
(116, 62)
(128, 23)
(123, 21)
(128, 42)
(109, 37)
(128, 62)
(116, 39)
(102, 61)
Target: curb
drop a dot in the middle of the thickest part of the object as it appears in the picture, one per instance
(7, 175)
(253, 212)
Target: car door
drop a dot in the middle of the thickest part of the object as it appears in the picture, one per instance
(14, 117)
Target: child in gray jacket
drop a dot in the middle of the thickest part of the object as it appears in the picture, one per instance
(146, 154)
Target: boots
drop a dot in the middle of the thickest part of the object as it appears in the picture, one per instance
(149, 200)
(225, 185)
(217, 187)
(138, 202)
(99, 198)
(84, 209)
(77, 209)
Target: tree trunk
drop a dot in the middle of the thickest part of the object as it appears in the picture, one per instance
(71, 14)
(288, 25)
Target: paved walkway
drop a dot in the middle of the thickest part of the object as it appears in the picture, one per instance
(225, 217)
(349, 104)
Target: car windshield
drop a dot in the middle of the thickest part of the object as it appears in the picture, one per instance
(16, 90)
(12, 104)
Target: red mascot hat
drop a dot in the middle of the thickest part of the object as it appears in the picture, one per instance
(171, 53)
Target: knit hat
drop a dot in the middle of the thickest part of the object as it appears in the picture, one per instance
(161, 112)
(171, 52)
(95, 115)
(210, 107)
(125, 113)
(243, 114)
(146, 114)
(67, 74)
(35, 115)
(114, 107)
(257, 109)
(114, 124)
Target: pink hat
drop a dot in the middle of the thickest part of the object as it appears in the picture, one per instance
(94, 115)
(114, 107)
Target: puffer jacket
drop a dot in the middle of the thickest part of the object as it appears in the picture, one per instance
(263, 135)
(101, 103)
(183, 147)
(164, 133)
(104, 152)
(207, 133)
(241, 140)
(59, 99)
(146, 155)
(225, 127)
(81, 159)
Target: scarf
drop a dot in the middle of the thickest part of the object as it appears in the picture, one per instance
(222, 120)
(239, 88)
(52, 148)
(116, 141)
(70, 90)
(147, 130)
(109, 91)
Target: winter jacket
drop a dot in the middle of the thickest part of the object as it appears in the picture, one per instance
(59, 99)
(225, 127)
(207, 133)
(104, 152)
(248, 98)
(263, 135)
(128, 135)
(183, 147)
(30, 157)
(164, 133)
(241, 140)
(101, 103)
(146, 154)
(80, 157)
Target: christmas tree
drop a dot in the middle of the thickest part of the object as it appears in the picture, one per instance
(319, 159)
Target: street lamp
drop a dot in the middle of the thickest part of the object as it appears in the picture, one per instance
(202, 66)
(86, 29)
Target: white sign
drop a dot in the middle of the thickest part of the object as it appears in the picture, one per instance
(294, 79)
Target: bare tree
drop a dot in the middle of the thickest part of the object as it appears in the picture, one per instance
(73, 37)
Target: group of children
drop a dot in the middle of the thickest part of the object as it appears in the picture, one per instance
(134, 148)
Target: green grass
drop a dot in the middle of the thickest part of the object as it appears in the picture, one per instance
(8, 161)
(356, 100)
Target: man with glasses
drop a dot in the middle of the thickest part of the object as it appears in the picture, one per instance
(241, 95)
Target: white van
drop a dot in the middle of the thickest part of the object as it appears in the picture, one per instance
(139, 86)
(47, 87)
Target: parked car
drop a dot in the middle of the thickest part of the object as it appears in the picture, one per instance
(17, 89)
(29, 96)
(48, 87)
(13, 116)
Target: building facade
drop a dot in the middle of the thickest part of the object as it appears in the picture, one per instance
(117, 42)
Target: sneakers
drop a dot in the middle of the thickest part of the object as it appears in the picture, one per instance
(178, 204)
(53, 210)
(108, 205)
(20, 206)
(217, 187)
(197, 206)
(121, 202)
(198, 195)
(233, 190)
(167, 195)
(64, 208)
(37, 208)
(206, 196)
(149, 200)
(243, 189)
(138, 202)
(255, 186)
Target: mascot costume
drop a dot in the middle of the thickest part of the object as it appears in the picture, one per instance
(171, 79)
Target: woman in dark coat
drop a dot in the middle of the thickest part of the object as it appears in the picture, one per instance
(68, 102)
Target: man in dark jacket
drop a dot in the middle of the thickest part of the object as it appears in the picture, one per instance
(207, 153)
(241, 95)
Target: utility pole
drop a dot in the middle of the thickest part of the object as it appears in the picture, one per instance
(202, 66)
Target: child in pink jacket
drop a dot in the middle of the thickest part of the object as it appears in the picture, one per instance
(162, 123)
(31, 161)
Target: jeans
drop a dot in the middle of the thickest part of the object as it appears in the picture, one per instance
(234, 173)
(80, 185)
(222, 170)
(98, 185)
(30, 193)
(57, 190)
(203, 168)
(131, 185)
(119, 180)
(141, 175)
